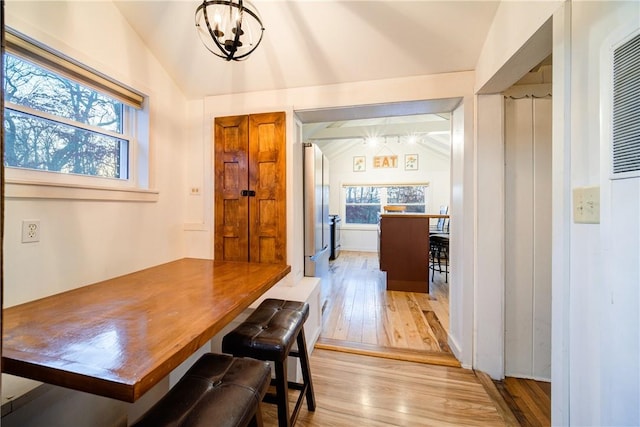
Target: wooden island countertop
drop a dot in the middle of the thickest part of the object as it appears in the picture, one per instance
(403, 248)
(119, 337)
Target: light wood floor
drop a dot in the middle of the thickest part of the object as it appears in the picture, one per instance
(357, 390)
(353, 388)
(362, 319)
(529, 400)
(361, 316)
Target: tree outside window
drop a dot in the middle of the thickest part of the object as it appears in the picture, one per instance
(363, 204)
(55, 124)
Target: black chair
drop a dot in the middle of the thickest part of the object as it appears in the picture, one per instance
(439, 255)
(269, 334)
(439, 249)
(217, 391)
(440, 224)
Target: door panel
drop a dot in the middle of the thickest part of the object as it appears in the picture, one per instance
(528, 238)
(231, 210)
(267, 213)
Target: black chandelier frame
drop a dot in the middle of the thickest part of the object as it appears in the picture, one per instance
(229, 52)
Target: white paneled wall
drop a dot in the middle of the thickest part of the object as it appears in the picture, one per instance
(528, 238)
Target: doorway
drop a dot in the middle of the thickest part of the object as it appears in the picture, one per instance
(359, 314)
(528, 118)
(528, 238)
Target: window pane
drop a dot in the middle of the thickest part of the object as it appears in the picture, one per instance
(415, 209)
(362, 205)
(406, 194)
(35, 143)
(362, 214)
(35, 87)
(362, 195)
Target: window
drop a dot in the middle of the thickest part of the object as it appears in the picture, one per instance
(55, 124)
(64, 119)
(363, 203)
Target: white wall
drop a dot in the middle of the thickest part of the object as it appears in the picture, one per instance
(596, 330)
(561, 208)
(85, 233)
(462, 249)
(86, 241)
(433, 168)
(489, 236)
(509, 49)
(604, 327)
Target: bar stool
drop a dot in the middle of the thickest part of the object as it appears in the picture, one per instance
(268, 334)
(439, 247)
(439, 255)
(217, 391)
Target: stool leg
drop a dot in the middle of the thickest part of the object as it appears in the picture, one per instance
(256, 421)
(446, 266)
(432, 260)
(306, 372)
(282, 393)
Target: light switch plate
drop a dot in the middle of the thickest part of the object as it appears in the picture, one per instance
(586, 205)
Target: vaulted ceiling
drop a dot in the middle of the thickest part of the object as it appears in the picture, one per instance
(315, 43)
(430, 131)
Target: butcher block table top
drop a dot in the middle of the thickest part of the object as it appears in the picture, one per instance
(120, 337)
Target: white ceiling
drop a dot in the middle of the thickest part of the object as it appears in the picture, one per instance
(321, 42)
(429, 131)
(311, 43)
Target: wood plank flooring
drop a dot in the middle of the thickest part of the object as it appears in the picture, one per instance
(360, 315)
(529, 400)
(405, 332)
(357, 390)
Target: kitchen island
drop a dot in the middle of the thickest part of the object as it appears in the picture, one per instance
(403, 247)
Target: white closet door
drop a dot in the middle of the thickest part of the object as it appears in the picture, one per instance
(542, 238)
(528, 238)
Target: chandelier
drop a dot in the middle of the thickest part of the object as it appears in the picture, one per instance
(230, 29)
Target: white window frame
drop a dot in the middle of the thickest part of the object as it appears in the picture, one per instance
(28, 183)
(383, 200)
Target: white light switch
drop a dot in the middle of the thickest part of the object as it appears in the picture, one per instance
(586, 205)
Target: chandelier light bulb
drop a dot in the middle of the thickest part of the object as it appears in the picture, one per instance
(230, 29)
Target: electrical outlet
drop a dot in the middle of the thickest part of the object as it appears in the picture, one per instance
(30, 231)
(195, 191)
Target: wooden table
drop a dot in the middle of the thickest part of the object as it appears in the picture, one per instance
(120, 337)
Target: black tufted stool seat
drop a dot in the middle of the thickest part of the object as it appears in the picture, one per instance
(218, 390)
(269, 334)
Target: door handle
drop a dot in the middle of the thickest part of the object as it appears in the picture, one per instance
(250, 193)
